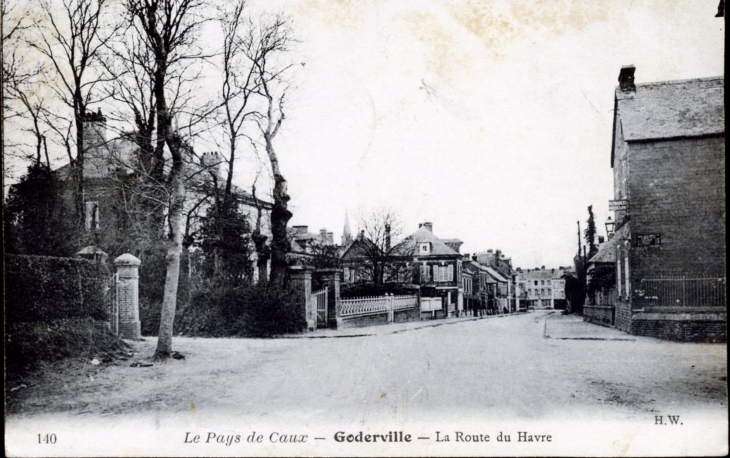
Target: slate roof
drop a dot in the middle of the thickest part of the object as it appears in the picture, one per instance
(409, 245)
(606, 253)
(496, 275)
(670, 109)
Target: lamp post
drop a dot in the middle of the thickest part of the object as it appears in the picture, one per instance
(610, 225)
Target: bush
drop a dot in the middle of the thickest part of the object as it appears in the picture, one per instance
(252, 311)
(29, 343)
(41, 288)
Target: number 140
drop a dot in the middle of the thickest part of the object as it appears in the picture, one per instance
(47, 439)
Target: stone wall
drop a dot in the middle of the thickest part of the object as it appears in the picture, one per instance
(360, 321)
(404, 316)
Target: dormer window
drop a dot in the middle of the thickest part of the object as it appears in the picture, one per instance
(424, 248)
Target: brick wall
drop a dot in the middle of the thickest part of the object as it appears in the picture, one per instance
(598, 314)
(677, 189)
(622, 315)
(684, 327)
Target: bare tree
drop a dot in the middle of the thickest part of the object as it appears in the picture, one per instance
(72, 42)
(375, 251)
(266, 43)
(168, 28)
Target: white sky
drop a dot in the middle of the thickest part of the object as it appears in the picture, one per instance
(491, 119)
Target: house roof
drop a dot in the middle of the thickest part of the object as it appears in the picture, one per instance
(670, 109)
(409, 245)
(541, 274)
(606, 253)
(496, 275)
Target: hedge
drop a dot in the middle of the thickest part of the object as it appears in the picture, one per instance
(251, 311)
(43, 288)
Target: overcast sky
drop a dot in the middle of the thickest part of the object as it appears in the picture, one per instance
(491, 119)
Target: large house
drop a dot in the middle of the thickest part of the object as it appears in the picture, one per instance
(668, 160)
(422, 259)
(112, 165)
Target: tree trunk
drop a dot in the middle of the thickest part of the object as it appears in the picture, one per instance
(280, 246)
(172, 259)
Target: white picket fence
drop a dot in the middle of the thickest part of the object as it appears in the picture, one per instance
(364, 306)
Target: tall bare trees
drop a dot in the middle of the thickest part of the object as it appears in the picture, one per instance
(144, 59)
(71, 37)
(168, 29)
(268, 41)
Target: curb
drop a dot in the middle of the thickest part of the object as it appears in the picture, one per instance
(415, 328)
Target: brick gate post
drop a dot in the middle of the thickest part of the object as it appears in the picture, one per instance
(128, 296)
(331, 280)
(300, 278)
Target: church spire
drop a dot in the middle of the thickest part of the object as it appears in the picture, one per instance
(346, 234)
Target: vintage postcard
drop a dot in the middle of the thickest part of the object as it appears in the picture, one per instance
(364, 228)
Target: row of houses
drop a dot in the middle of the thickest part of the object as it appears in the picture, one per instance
(460, 284)
(662, 270)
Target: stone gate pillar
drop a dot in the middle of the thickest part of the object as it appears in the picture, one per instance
(300, 279)
(128, 296)
(331, 280)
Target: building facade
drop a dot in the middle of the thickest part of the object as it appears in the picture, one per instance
(668, 160)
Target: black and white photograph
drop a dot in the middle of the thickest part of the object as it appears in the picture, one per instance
(364, 228)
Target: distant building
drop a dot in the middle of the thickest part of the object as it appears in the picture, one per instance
(668, 160)
(541, 288)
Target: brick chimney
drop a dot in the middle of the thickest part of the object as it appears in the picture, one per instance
(387, 237)
(300, 229)
(626, 78)
(428, 226)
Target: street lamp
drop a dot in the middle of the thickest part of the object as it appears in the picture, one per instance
(610, 225)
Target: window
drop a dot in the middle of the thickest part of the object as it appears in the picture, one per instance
(424, 273)
(548, 282)
(346, 272)
(543, 282)
(535, 282)
(436, 273)
(450, 273)
(92, 216)
(424, 248)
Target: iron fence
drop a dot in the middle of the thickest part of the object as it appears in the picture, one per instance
(683, 291)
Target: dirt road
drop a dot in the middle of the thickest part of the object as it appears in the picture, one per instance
(530, 367)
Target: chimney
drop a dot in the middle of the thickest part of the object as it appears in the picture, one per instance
(626, 78)
(542, 268)
(600, 239)
(213, 162)
(387, 237)
(428, 226)
(361, 236)
(489, 251)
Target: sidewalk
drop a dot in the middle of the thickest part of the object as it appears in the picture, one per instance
(391, 328)
(572, 327)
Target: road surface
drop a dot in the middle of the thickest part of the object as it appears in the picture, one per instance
(537, 367)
